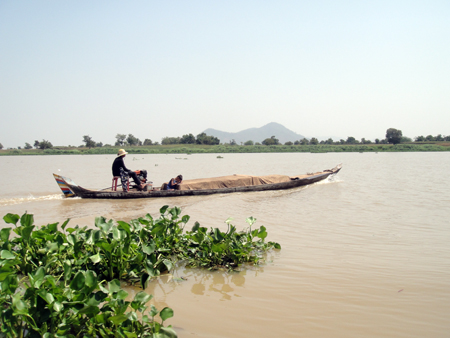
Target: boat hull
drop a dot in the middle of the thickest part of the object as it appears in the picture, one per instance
(99, 194)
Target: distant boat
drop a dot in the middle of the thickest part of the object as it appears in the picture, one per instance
(204, 186)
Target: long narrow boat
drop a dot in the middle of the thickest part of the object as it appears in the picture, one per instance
(206, 186)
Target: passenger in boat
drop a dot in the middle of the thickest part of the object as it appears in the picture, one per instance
(174, 182)
(120, 164)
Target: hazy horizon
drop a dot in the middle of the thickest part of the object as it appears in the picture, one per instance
(155, 69)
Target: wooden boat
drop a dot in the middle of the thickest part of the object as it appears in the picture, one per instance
(207, 186)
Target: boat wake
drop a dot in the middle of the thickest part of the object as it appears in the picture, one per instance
(30, 198)
(330, 179)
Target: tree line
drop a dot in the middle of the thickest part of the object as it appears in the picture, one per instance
(393, 136)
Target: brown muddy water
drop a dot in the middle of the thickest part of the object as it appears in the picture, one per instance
(365, 254)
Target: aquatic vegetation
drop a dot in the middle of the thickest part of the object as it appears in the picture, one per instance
(61, 281)
(223, 149)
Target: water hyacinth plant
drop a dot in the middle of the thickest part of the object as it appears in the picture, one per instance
(65, 283)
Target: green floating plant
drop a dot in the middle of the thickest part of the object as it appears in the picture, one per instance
(65, 283)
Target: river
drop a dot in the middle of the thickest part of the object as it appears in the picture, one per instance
(365, 254)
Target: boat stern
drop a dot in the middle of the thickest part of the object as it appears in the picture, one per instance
(62, 183)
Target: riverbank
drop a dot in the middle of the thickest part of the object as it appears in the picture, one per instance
(201, 148)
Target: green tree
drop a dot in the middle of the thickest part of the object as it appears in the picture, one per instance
(1, 146)
(120, 139)
(88, 141)
(272, 141)
(133, 141)
(45, 144)
(350, 140)
(313, 141)
(232, 142)
(439, 138)
(430, 138)
(99, 144)
(304, 141)
(288, 143)
(393, 135)
(207, 139)
(147, 142)
(36, 144)
(28, 146)
(419, 139)
(170, 140)
(187, 139)
(248, 143)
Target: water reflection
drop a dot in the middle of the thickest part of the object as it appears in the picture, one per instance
(221, 282)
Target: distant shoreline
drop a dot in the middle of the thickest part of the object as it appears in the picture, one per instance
(224, 149)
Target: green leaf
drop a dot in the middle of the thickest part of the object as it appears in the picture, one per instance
(105, 246)
(149, 249)
(125, 226)
(48, 297)
(218, 235)
(166, 313)
(116, 233)
(89, 310)
(67, 270)
(10, 284)
(175, 212)
(26, 232)
(185, 218)
(5, 254)
(37, 278)
(18, 305)
(4, 234)
(140, 300)
(153, 311)
(114, 286)
(71, 239)
(117, 320)
(168, 263)
(166, 332)
(78, 281)
(96, 258)
(58, 307)
(52, 227)
(50, 280)
(122, 294)
(250, 220)
(11, 218)
(91, 279)
(162, 211)
(196, 226)
(63, 226)
(217, 248)
(262, 232)
(150, 269)
(26, 220)
(52, 247)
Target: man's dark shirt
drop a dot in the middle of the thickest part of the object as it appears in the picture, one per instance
(118, 162)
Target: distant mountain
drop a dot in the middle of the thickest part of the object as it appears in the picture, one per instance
(256, 134)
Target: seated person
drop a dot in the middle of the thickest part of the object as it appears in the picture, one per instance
(174, 182)
(119, 163)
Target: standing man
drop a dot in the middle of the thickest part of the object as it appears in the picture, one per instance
(120, 164)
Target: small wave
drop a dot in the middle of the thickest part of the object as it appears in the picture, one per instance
(31, 198)
(330, 179)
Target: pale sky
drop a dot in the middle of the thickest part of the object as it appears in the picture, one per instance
(167, 68)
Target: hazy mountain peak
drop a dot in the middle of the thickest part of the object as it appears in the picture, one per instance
(257, 134)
